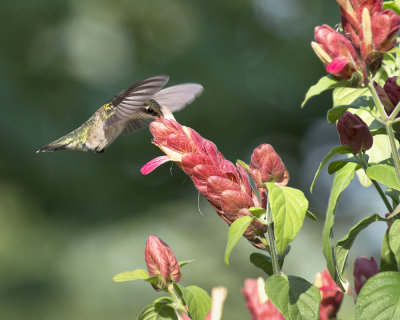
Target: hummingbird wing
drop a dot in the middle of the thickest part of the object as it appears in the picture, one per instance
(175, 98)
(131, 100)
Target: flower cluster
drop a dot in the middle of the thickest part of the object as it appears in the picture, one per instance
(369, 32)
(226, 186)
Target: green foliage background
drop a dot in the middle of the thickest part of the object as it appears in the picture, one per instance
(69, 221)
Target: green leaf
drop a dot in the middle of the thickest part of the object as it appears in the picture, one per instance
(288, 207)
(323, 84)
(379, 298)
(394, 240)
(343, 246)
(391, 5)
(294, 297)
(342, 179)
(335, 150)
(384, 173)
(347, 95)
(265, 263)
(160, 309)
(236, 230)
(388, 260)
(339, 164)
(184, 263)
(138, 274)
(257, 212)
(363, 102)
(311, 215)
(198, 302)
(394, 194)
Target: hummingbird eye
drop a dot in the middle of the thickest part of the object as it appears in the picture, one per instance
(151, 111)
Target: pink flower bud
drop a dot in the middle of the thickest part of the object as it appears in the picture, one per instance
(354, 132)
(267, 166)
(383, 96)
(336, 52)
(161, 261)
(392, 91)
(364, 269)
(259, 305)
(331, 295)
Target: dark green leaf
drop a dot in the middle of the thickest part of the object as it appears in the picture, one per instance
(379, 298)
(394, 194)
(311, 215)
(288, 207)
(335, 150)
(343, 246)
(160, 309)
(363, 102)
(384, 173)
(339, 164)
(388, 260)
(323, 84)
(265, 263)
(394, 240)
(342, 179)
(236, 230)
(294, 297)
(257, 212)
(198, 302)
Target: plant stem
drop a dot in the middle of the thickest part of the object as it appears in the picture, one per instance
(271, 241)
(395, 154)
(178, 302)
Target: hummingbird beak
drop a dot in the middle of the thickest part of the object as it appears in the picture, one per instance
(167, 114)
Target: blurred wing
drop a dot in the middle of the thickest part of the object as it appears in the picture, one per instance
(177, 97)
(135, 125)
(129, 101)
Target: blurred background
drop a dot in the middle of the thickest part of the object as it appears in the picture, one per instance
(69, 221)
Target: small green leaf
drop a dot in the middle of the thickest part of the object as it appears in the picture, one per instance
(394, 194)
(384, 173)
(294, 297)
(160, 309)
(343, 246)
(342, 179)
(236, 230)
(265, 263)
(138, 274)
(339, 164)
(388, 260)
(311, 215)
(347, 95)
(323, 84)
(335, 150)
(363, 102)
(391, 5)
(379, 298)
(257, 212)
(394, 240)
(198, 302)
(288, 207)
(184, 263)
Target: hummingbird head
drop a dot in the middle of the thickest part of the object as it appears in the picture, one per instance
(151, 111)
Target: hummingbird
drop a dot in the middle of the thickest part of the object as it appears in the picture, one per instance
(129, 111)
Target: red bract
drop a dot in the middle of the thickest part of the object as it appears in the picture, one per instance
(336, 52)
(354, 132)
(161, 261)
(260, 307)
(331, 295)
(224, 185)
(364, 269)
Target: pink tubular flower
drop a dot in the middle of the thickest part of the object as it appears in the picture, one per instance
(161, 261)
(336, 52)
(354, 132)
(364, 269)
(257, 302)
(224, 185)
(331, 295)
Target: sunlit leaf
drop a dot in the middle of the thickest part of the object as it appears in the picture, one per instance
(384, 173)
(294, 297)
(184, 263)
(198, 302)
(379, 298)
(347, 95)
(394, 240)
(138, 274)
(323, 84)
(236, 230)
(388, 260)
(288, 207)
(257, 212)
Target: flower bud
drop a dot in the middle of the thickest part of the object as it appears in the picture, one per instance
(331, 295)
(364, 269)
(392, 91)
(161, 261)
(354, 132)
(259, 305)
(335, 51)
